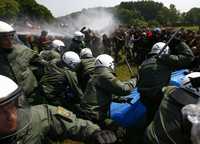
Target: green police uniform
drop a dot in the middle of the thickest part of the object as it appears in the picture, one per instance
(48, 124)
(60, 86)
(98, 93)
(169, 126)
(87, 65)
(85, 71)
(18, 64)
(155, 73)
(50, 55)
(180, 56)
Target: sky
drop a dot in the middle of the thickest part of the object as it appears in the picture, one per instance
(64, 7)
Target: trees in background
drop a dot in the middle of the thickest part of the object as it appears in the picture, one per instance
(192, 17)
(34, 11)
(13, 9)
(139, 13)
(155, 13)
(9, 9)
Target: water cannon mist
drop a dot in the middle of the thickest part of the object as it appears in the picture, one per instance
(98, 19)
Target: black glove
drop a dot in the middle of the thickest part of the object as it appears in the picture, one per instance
(123, 100)
(133, 81)
(104, 137)
(128, 100)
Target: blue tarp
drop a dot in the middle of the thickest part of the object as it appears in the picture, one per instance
(130, 114)
(177, 77)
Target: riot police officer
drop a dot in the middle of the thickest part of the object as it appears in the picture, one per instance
(18, 62)
(155, 72)
(77, 42)
(86, 67)
(60, 84)
(41, 124)
(169, 126)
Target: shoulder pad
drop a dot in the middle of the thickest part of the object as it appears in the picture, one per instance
(64, 113)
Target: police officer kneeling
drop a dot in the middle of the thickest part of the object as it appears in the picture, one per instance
(42, 123)
(170, 125)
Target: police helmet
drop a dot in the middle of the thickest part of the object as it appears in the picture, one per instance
(11, 93)
(191, 83)
(71, 59)
(104, 60)
(58, 44)
(157, 48)
(86, 53)
(6, 28)
(79, 36)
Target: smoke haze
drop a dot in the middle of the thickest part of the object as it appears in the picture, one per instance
(96, 19)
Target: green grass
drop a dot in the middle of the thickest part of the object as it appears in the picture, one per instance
(123, 72)
(193, 28)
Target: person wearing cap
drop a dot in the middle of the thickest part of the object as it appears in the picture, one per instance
(86, 67)
(42, 124)
(77, 42)
(18, 62)
(154, 73)
(59, 82)
(173, 120)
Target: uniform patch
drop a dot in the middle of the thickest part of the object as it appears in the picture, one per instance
(63, 112)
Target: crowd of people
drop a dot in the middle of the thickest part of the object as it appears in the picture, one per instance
(51, 90)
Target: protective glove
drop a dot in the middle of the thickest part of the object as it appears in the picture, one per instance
(132, 81)
(128, 100)
(123, 100)
(104, 137)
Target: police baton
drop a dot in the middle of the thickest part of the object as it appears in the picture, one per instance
(167, 43)
(129, 67)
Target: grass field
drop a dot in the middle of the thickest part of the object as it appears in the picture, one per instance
(193, 28)
(123, 72)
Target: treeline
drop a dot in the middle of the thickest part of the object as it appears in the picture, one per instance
(142, 13)
(10, 10)
(147, 12)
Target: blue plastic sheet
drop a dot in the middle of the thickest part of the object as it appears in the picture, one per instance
(130, 114)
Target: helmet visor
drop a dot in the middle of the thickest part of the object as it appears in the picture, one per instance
(15, 116)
